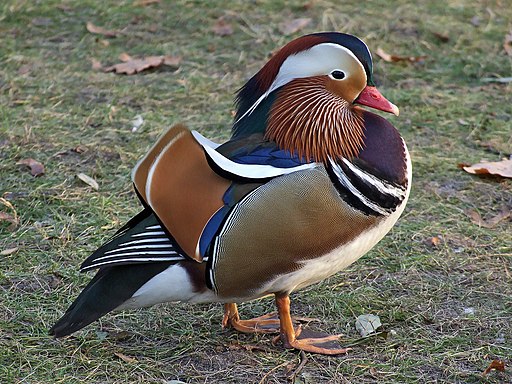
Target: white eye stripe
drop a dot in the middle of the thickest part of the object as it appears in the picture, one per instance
(315, 61)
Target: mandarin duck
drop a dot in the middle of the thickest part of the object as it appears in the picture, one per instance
(308, 183)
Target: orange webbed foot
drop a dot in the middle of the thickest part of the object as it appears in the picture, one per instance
(263, 324)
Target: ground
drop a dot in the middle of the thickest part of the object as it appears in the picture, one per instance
(441, 284)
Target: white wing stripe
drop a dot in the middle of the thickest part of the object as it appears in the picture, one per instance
(131, 260)
(149, 246)
(138, 253)
(250, 171)
(156, 233)
(154, 240)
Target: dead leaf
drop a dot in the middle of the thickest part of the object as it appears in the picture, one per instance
(41, 21)
(222, 27)
(477, 219)
(394, 59)
(9, 251)
(172, 61)
(88, 180)
(4, 216)
(292, 26)
(502, 80)
(131, 66)
(124, 57)
(498, 365)
(442, 38)
(80, 149)
(64, 7)
(100, 30)
(24, 69)
(103, 42)
(367, 324)
(501, 168)
(36, 168)
(507, 43)
(96, 64)
(125, 358)
(137, 123)
(248, 347)
(144, 3)
(435, 241)
(501, 216)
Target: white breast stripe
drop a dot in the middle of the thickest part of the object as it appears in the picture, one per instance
(347, 184)
(154, 227)
(249, 171)
(382, 186)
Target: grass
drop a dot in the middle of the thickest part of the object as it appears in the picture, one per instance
(450, 305)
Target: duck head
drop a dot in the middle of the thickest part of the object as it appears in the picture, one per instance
(306, 97)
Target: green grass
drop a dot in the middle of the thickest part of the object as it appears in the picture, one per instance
(51, 101)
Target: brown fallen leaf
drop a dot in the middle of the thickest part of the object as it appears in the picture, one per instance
(502, 80)
(394, 59)
(292, 26)
(501, 168)
(434, 241)
(144, 3)
(103, 42)
(9, 251)
(24, 69)
(125, 358)
(132, 66)
(248, 347)
(4, 216)
(498, 365)
(124, 57)
(88, 180)
(222, 27)
(507, 43)
(36, 168)
(477, 219)
(442, 38)
(100, 30)
(172, 61)
(96, 64)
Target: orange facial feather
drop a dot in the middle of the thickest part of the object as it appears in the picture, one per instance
(312, 122)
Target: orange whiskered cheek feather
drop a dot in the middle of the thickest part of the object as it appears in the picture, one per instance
(347, 90)
(309, 120)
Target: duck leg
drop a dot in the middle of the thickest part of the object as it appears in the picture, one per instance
(302, 339)
(264, 324)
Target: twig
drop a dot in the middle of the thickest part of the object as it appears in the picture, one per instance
(303, 361)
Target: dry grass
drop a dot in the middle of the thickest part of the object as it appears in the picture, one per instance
(450, 305)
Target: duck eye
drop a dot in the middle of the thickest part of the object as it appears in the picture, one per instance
(337, 74)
